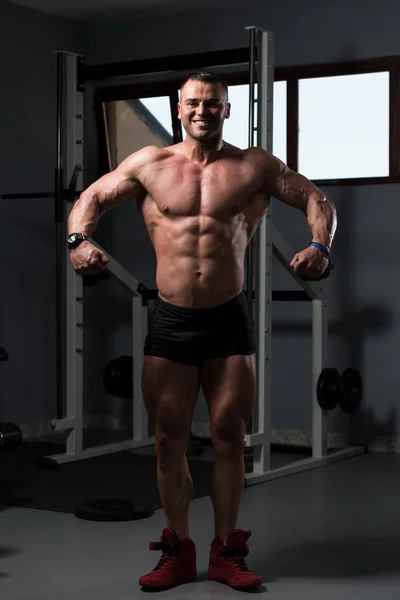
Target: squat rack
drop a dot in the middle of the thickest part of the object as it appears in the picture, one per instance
(266, 243)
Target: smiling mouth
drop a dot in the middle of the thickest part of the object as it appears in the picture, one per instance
(201, 123)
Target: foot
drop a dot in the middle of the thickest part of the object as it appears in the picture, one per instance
(177, 564)
(227, 564)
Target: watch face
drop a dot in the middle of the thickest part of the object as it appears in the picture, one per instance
(73, 238)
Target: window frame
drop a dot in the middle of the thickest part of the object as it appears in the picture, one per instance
(292, 75)
(233, 66)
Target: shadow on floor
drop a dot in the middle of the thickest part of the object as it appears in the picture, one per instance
(352, 558)
(5, 552)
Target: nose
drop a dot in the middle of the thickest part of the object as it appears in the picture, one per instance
(201, 110)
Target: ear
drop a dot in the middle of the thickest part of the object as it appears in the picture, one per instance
(228, 111)
(179, 110)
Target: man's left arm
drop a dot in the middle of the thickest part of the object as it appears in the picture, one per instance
(299, 192)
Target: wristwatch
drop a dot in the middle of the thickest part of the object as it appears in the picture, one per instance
(74, 239)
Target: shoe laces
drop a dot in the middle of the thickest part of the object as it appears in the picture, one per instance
(237, 558)
(169, 553)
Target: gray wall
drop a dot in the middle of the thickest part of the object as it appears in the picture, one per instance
(364, 317)
(28, 40)
(305, 32)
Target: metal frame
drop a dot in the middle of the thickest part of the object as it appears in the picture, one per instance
(70, 109)
(268, 243)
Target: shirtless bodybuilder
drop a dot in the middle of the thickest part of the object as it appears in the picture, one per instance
(201, 201)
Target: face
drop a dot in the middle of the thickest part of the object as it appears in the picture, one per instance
(203, 109)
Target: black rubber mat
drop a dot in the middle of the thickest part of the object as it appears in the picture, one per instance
(125, 475)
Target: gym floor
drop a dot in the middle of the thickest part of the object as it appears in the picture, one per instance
(329, 533)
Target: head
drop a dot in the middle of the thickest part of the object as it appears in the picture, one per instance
(204, 106)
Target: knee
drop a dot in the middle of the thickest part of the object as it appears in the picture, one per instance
(170, 451)
(228, 437)
(171, 435)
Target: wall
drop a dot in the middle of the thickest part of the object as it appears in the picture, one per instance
(28, 40)
(305, 32)
(364, 316)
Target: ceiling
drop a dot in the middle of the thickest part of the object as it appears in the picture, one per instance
(106, 10)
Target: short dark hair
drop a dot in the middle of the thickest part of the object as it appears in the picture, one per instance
(207, 77)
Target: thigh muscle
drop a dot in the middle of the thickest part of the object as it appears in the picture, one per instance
(170, 391)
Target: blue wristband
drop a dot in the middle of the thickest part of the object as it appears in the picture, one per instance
(322, 248)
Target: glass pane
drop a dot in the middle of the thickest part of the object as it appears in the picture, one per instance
(279, 146)
(134, 124)
(236, 128)
(344, 126)
(160, 108)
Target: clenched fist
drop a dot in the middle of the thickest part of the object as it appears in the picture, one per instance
(311, 264)
(86, 259)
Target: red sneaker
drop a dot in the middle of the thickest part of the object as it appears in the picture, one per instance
(177, 564)
(227, 564)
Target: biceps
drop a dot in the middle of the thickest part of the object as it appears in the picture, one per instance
(114, 189)
(293, 189)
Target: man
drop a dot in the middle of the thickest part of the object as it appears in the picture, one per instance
(202, 201)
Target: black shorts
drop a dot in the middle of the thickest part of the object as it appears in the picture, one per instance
(192, 335)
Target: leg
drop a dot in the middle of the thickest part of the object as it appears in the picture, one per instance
(170, 392)
(229, 386)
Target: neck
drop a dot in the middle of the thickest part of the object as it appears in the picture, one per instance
(203, 151)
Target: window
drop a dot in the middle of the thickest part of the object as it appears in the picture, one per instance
(136, 123)
(338, 124)
(343, 121)
(344, 126)
(279, 132)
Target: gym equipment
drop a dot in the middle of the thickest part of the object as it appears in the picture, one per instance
(328, 388)
(351, 391)
(10, 436)
(345, 390)
(118, 377)
(113, 509)
(91, 280)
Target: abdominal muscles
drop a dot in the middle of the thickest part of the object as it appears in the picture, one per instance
(199, 259)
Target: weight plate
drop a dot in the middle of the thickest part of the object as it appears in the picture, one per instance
(328, 388)
(351, 391)
(113, 509)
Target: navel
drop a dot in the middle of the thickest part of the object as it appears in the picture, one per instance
(165, 209)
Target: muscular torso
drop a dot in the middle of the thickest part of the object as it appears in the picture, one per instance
(200, 219)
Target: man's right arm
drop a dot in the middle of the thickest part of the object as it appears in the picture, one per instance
(109, 191)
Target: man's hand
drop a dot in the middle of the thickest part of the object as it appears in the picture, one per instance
(310, 263)
(86, 259)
